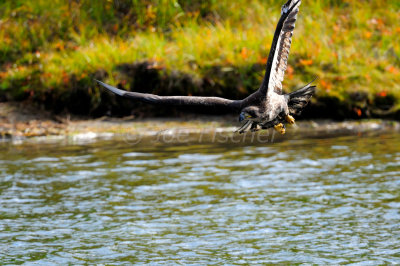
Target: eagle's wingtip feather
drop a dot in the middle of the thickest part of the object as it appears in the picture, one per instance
(111, 88)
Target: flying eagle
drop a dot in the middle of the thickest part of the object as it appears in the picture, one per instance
(265, 108)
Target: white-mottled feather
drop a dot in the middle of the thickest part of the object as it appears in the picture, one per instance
(281, 55)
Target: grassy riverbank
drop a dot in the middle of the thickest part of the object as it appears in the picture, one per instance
(51, 51)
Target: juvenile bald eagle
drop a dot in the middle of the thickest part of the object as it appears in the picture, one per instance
(265, 108)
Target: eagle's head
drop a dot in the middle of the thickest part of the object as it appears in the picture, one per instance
(251, 113)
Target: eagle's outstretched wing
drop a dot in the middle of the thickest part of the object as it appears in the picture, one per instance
(189, 101)
(279, 53)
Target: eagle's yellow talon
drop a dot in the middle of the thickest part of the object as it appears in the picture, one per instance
(280, 128)
(290, 119)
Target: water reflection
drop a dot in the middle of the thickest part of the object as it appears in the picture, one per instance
(319, 200)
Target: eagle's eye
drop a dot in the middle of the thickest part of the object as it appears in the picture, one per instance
(252, 113)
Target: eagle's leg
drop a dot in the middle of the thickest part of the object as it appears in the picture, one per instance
(244, 127)
(255, 127)
(289, 119)
(280, 128)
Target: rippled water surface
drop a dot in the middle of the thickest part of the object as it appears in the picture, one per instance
(304, 200)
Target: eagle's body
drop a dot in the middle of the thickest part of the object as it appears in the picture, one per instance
(265, 108)
(275, 105)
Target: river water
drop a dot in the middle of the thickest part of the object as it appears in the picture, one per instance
(319, 199)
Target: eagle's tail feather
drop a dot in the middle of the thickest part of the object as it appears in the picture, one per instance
(297, 100)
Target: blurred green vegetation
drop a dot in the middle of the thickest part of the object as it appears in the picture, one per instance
(51, 51)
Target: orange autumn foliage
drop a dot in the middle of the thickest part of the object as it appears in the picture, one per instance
(290, 72)
(357, 111)
(263, 60)
(244, 53)
(326, 85)
(393, 70)
(306, 62)
(382, 94)
(368, 34)
(59, 46)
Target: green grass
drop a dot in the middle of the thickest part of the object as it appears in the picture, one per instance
(52, 48)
